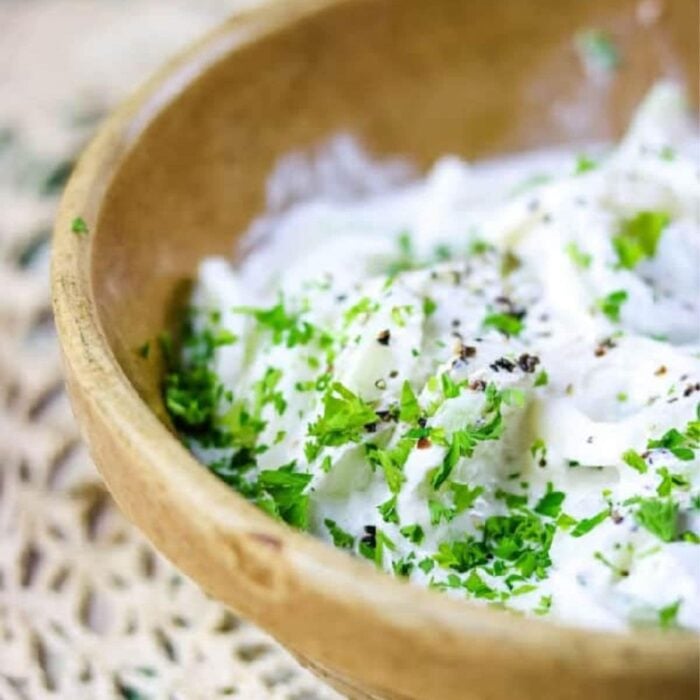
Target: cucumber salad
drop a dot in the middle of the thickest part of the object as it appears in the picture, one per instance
(486, 381)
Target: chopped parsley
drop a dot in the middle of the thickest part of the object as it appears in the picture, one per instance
(544, 605)
(584, 164)
(538, 451)
(341, 538)
(343, 420)
(281, 493)
(585, 525)
(79, 227)
(439, 512)
(286, 327)
(388, 511)
(671, 481)
(506, 323)
(463, 442)
(668, 615)
(635, 460)
(461, 555)
(409, 410)
(192, 396)
(611, 304)
(464, 496)
(390, 461)
(659, 516)
(541, 379)
(364, 307)
(405, 258)
(429, 306)
(577, 256)
(550, 504)
(638, 237)
(450, 389)
(413, 533)
(681, 445)
(399, 313)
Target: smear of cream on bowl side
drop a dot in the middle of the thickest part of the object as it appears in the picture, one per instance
(486, 381)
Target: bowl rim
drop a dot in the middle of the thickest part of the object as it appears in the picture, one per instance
(93, 367)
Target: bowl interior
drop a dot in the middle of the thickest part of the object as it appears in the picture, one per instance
(405, 76)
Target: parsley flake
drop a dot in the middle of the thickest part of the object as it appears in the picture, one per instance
(639, 237)
(388, 511)
(668, 615)
(413, 533)
(635, 460)
(508, 324)
(341, 538)
(611, 304)
(585, 525)
(343, 420)
(550, 503)
(79, 227)
(577, 256)
(409, 410)
(659, 516)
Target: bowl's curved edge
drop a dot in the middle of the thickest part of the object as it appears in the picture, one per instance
(337, 612)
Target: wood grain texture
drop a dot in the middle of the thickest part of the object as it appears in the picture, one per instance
(179, 169)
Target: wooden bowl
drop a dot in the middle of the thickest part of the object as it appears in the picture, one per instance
(179, 171)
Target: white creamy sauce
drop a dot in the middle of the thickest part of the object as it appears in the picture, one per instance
(548, 329)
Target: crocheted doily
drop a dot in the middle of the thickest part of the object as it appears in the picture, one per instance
(88, 610)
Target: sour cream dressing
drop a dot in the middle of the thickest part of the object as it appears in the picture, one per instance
(486, 381)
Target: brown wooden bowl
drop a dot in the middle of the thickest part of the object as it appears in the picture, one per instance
(179, 170)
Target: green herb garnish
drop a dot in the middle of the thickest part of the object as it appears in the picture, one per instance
(286, 327)
(577, 256)
(550, 503)
(464, 496)
(343, 420)
(463, 442)
(671, 481)
(413, 533)
(668, 615)
(659, 516)
(281, 493)
(585, 525)
(544, 605)
(341, 538)
(612, 303)
(409, 409)
(639, 237)
(542, 378)
(388, 511)
(635, 460)
(584, 164)
(508, 324)
(429, 306)
(79, 227)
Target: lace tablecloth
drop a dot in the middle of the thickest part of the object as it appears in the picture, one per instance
(88, 610)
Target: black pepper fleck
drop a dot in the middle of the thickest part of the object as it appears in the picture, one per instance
(503, 363)
(383, 337)
(370, 536)
(528, 363)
